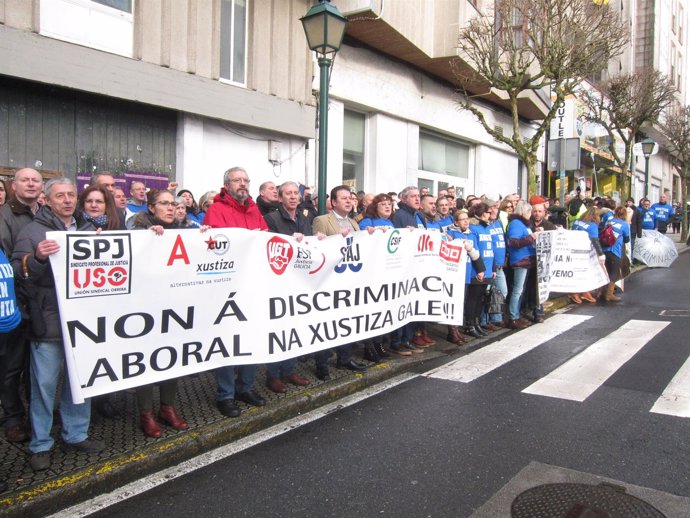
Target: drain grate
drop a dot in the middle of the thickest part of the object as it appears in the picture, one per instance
(568, 500)
(675, 313)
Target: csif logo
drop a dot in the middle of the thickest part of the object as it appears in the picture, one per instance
(350, 257)
(394, 241)
(279, 253)
(425, 243)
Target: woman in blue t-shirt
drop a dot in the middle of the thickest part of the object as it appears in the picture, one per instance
(614, 253)
(589, 222)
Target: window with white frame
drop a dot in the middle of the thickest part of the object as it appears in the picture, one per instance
(233, 41)
(353, 149)
(441, 155)
(100, 24)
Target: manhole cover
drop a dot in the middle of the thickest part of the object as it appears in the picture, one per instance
(566, 500)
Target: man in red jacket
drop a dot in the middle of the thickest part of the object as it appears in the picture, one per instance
(234, 208)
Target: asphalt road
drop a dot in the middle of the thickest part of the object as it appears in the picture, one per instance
(434, 446)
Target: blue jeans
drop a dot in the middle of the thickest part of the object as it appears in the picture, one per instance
(403, 334)
(227, 386)
(280, 369)
(46, 366)
(519, 279)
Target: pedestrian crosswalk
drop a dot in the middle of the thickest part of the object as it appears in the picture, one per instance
(580, 376)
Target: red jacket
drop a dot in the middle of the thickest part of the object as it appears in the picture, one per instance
(226, 212)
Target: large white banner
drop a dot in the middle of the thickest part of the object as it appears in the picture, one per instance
(567, 263)
(137, 308)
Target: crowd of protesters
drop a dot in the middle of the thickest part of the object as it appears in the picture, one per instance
(498, 236)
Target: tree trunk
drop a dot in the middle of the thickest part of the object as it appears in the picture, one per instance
(531, 166)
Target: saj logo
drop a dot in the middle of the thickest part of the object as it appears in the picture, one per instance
(351, 258)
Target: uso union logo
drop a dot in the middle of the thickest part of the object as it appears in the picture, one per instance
(279, 253)
(98, 265)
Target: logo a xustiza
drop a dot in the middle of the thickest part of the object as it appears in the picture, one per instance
(350, 257)
(394, 242)
(425, 243)
(279, 253)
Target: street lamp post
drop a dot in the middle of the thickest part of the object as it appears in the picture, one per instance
(647, 150)
(324, 27)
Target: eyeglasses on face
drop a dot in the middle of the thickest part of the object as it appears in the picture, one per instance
(167, 203)
(240, 180)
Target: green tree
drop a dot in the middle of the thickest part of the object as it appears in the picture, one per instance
(623, 105)
(524, 48)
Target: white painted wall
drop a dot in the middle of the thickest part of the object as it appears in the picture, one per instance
(399, 101)
(206, 148)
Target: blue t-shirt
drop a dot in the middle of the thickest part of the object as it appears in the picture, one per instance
(442, 224)
(10, 316)
(591, 228)
(486, 249)
(518, 230)
(456, 234)
(662, 212)
(499, 241)
(648, 218)
(375, 222)
(622, 231)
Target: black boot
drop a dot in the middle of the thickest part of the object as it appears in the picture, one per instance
(383, 354)
(480, 329)
(371, 354)
(472, 331)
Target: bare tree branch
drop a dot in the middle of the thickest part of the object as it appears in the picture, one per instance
(535, 45)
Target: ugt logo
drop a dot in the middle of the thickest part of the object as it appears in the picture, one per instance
(279, 253)
(425, 244)
(351, 258)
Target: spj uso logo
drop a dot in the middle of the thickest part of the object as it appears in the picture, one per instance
(98, 265)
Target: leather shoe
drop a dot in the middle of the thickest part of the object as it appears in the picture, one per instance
(149, 425)
(516, 324)
(538, 319)
(228, 408)
(40, 461)
(351, 365)
(169, 415)
(17, 433)
(322, 373)
(383, 354)
(276, 385)
(105, 408)
(251, 398)
(296, 379)
(88, 445)
(400, 349)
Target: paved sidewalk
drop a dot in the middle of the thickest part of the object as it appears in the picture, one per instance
(75, 477)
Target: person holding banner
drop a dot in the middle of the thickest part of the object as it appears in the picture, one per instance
(480, 215)
(614, 253)
(589, 222)
(522, 253)
(474, 272)
(158, 216)
(337, 222)
(234, 208)
(30, 260)
(377, 216)
(289, 221)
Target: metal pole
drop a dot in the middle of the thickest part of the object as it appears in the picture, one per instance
(562, 171)
(324, 66)
(646, 176)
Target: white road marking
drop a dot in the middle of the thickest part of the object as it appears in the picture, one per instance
(482, 361)
(142, 485)
(675, 400)
(579, 377)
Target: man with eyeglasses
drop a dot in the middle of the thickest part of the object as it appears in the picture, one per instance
(234, 208)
